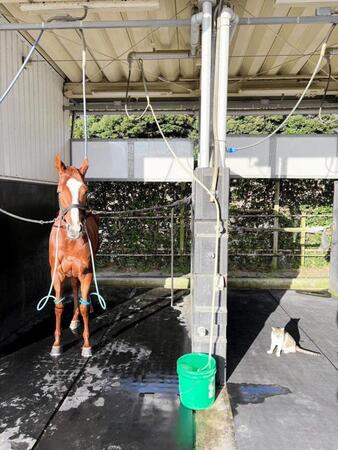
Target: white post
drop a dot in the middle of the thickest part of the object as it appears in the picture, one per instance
(205, 88)
(223, 28)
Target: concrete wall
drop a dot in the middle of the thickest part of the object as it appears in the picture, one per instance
(33, 125)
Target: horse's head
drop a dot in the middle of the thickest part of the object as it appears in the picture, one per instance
(72, 192)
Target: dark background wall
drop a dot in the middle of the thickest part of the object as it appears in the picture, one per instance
(24, 268)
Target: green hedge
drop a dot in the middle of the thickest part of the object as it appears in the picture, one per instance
(138, 233)
(185, 126)
(310, 197)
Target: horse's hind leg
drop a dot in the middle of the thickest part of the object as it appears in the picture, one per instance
(75, 323)
(56, 348)
(86, 281)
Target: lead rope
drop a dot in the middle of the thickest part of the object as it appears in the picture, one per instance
(84, 100)
(43, 302)
(218, 228)
(97, 293)
(85, 136)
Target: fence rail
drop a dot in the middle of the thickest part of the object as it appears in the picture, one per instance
(304, 229)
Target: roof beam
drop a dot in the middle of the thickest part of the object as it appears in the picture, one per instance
(262, 87)
(162, 23)
(291, 20)
(92, 25)
(134, 5)
(136, 89)
(249, 106)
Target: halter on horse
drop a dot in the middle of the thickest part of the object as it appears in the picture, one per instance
(75, 226)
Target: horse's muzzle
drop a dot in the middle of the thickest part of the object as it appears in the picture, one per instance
(74, 231)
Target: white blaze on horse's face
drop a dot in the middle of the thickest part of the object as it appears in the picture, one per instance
(74, 229)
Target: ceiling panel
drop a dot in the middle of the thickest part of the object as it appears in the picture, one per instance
(267, 59)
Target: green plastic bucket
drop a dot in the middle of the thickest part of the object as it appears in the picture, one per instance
(196, 379)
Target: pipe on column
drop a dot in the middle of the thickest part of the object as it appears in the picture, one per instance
(204, 155)
(223, 29)
(196, 21)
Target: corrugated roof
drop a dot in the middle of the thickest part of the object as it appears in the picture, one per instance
(266, 60)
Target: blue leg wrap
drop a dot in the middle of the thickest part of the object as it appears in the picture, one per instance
(84, 302)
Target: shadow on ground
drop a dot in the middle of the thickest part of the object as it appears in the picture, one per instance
(246, 319)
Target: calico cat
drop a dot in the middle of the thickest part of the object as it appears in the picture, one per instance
(285, 343)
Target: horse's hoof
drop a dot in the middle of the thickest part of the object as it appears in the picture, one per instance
(86, 352)
(56, 350)
(74, 324)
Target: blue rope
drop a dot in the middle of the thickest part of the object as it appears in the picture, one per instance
(43, 302)
(84, 302)
(101, 300)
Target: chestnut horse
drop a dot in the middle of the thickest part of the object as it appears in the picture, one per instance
(71, 230)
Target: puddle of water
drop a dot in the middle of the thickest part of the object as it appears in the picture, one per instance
(153, 387)
(255, 393)
(244, 393)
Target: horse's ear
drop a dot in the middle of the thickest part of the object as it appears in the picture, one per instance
(84, 167)
(59, 165)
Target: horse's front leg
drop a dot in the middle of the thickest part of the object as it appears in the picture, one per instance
(56, 348)
(75, 323)
(86, 281)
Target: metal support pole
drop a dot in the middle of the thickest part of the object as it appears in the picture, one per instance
(276, 225)
(165, 23)
(92, 25)
(293, 20)
(302, 239)
(333, 276)
(159, 55)
(204, 156)
(172, 256)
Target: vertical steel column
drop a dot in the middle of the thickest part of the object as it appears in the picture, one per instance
(333, 275)
(276, 225)
(205, 85)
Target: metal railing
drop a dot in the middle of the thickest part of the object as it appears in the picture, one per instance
(276, 251)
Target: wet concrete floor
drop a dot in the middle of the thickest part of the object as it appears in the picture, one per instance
(124, 397)
(291, 401)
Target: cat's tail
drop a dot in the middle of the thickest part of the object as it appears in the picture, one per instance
(308, 352)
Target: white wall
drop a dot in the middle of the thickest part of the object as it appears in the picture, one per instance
(284, 156)
(33, 125)
(135, 159)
